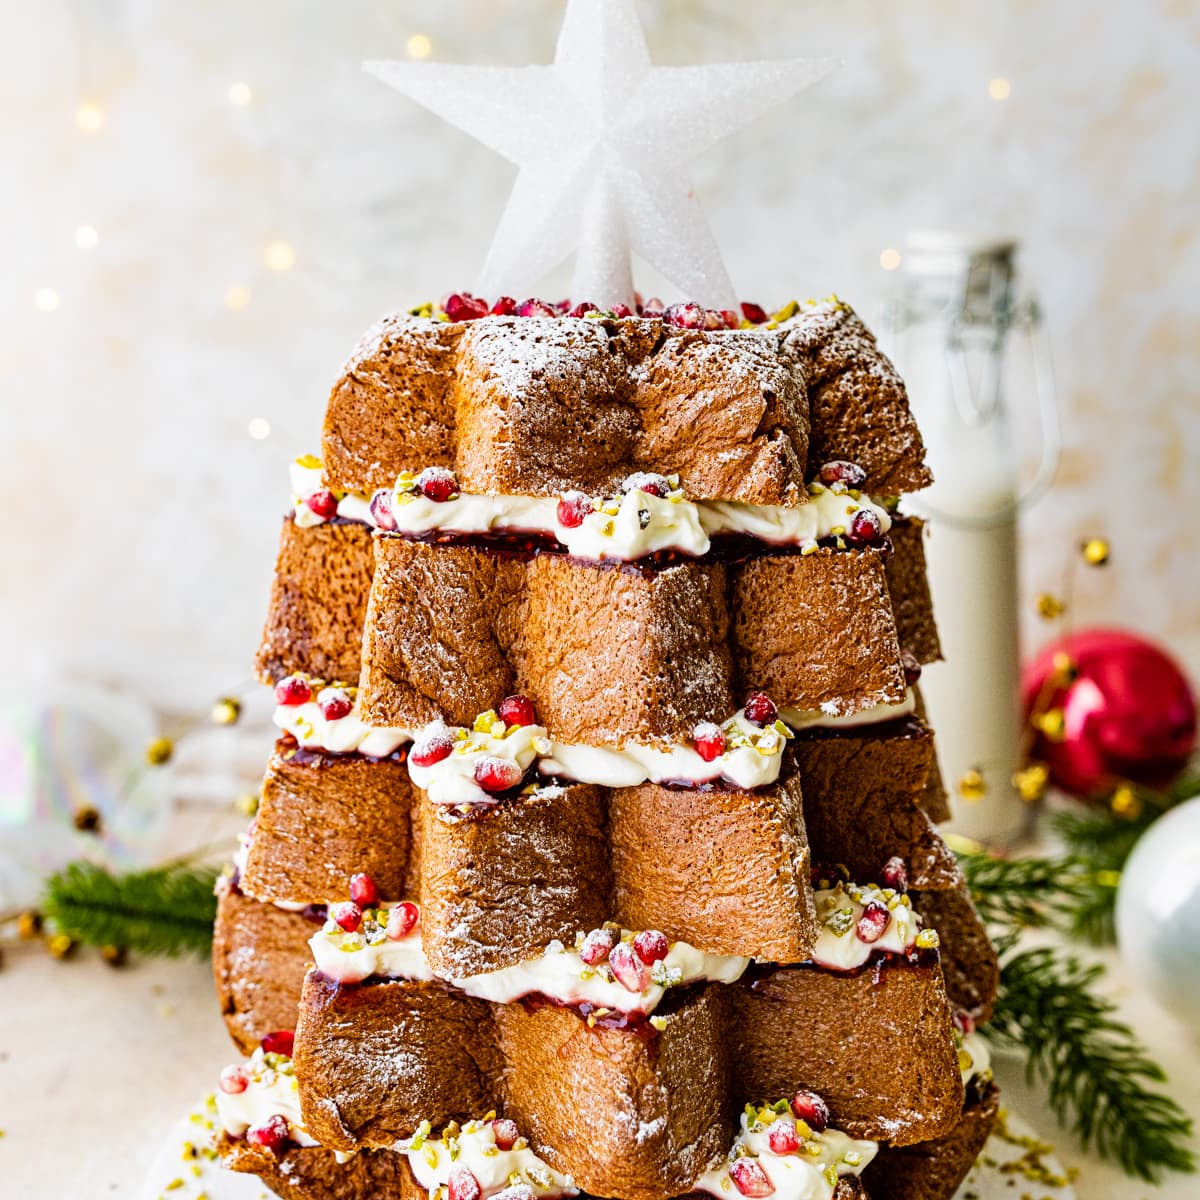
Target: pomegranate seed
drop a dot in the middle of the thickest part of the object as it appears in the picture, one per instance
(462, 1185)
(535, 308)
(873, 923)
(272, 1133)
(686, 316)
(754, 313)
(517, 710)
(596, 946)
(827, 872)
(572, 509)
(282, 1041)
(865, 527)
(713, 320)
(335, 703)
(504, 307)
(347, 914)
(964, 1022)
(622, 310)
(462, 306)
(323, 503)
(812, 1110)
(363, 891)
(840, 471)
(506, 1132)
(710, 741)
(292, 691)
(234, 1081)
(585, 306)
(431, 747)
(437, 484)
(730, 318)
(630, 971)
(381, 510)
(649, 482)
(497, 774)
(912, 668)
(782, 1137)
(652, 308)
(895, 874)
(651, 946)
(760, 710)
(749, 1178)
(402, 920)
(561, 307)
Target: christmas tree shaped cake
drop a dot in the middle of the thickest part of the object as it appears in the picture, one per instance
(597, 851)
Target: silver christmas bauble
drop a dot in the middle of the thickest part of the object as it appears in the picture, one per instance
(1158, 912)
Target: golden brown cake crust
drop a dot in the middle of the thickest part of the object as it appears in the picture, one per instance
(624, 1115)
(318, 602)
(876, 1044)
(933, 1170)
(260, 954)
(609, 654)
(969, 960)
(908, 585)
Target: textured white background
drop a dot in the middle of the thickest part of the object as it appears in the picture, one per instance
(142, 518)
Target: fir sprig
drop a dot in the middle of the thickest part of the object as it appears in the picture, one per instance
(165, 911)
(1092, 1066)
(1095, 1071)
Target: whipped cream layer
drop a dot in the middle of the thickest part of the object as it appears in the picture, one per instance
(473, 1148)
(270, 1090)
(849, 934)
(559, 973)
(627, 527)
(974, 1056)
(809, 1171)
(751, 758)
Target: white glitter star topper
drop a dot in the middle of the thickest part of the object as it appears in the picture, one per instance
(602, 139)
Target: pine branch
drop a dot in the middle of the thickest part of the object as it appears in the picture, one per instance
(1024, 893)
(1095, 1071)
(165, 911)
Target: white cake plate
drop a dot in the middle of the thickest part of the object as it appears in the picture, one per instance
(1012, 1161)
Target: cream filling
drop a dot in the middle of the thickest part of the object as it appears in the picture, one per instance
(752, 757)
(473, 1148)
(839, 910)
(625, 528)
(558, 973)
(809, 1173)
(271, 1091)
(974, 1056)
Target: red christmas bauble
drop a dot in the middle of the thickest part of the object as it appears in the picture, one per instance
(1128, 713)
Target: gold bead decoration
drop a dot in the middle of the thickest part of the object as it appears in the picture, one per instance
(159, 751)
(972, 786)
(1125, 803)
(29, 925)
(1095, 552)
(1051, 724)
(1031, 782)
(226, 711)
(115, 956)
(1065, 668)
(1049, 606)
(61, 945)
(87, 819)
(247, 805)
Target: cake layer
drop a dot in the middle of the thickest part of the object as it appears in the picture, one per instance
(725, 870)
(872, 1041)
(532, 406)
(375, 1059)
(453, 630)
(319, 597)
(969, 961)
(260, 955)
(934, 1169)
(314, 1173)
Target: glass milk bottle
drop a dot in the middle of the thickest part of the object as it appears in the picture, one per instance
(950, 331)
